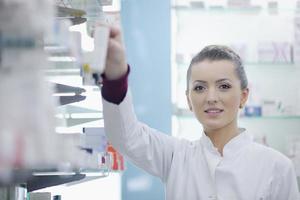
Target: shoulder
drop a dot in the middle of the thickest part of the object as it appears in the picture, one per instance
(271, 157)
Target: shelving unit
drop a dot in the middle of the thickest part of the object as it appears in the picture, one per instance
(78, 106)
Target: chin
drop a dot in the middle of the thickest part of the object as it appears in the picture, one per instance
(212, 126)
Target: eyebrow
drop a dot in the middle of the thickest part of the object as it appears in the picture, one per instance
(218, 81)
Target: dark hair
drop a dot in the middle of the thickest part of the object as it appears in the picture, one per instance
(219, 52)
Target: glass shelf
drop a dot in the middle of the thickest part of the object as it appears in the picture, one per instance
(283, 69)
(256, 64)
(185, 113)
(221, 9)
(291, 117)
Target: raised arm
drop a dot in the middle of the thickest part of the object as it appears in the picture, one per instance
(145, 147)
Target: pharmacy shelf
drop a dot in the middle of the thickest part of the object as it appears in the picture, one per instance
(69, 12)
(220, 9)
(40, 182)
(185, 113)
(43, 179)
(290, 117)
(75, 15)
(257, 65)
(38, 179)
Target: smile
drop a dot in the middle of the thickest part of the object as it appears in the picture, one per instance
(213, 111)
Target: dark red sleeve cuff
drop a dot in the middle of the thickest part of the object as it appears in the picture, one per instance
(114, 91)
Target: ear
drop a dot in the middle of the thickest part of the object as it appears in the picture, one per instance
(244, 97)
(188, 100)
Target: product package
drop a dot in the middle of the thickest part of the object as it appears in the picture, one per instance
(274, 52)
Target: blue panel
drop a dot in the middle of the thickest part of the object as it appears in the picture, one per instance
(146, 27)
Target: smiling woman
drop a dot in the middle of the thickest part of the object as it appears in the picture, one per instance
(225, 161)
(216, 89)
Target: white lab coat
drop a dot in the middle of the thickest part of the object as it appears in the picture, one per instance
(195, 170)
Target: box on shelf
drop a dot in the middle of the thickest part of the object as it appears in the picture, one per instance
(253, 111)
(271, 108)
(238, 3)
(296, 45)
(95, 139)
(274, 52)
(39, 196)
(117, 159)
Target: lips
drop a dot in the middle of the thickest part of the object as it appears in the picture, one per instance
(213, 110)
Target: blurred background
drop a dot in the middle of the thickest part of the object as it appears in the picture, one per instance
(52, 142)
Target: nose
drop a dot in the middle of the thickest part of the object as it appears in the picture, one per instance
(212, 96)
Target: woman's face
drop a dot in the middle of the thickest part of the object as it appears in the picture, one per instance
(215, 94)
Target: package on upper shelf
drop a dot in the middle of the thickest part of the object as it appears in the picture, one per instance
(197, 4)
(274, 52)
(215, 4)
(95, 139)
(94, 62)
(106, 2)
(238, 3)
(271, 108)
(296, 45)
(181, 3)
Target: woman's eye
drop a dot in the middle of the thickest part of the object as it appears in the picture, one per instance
(225, 86)
(199, 88)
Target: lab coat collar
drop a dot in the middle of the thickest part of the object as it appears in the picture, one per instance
(232, 147)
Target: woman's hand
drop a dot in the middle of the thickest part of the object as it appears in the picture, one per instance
(116, 65)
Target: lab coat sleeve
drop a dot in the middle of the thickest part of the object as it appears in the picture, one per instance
(285, 183)
(145, 147)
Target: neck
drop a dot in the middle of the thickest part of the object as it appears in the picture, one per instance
(220, 137)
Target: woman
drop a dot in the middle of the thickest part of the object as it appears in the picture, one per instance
(225, 163)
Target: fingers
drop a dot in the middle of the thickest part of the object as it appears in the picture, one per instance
(114, 31)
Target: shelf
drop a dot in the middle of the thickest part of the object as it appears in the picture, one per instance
(221, 9)
(38, 179)
(218, 9)
(52, 178)
(75, 15)
(295, 117)
(255, 64)
(185, 113)
(39, 182)
(268, 67)
(16, 177)
(69, 12)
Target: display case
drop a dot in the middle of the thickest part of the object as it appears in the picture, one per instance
(266, 35)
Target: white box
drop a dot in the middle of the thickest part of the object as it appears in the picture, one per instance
(40, 196)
